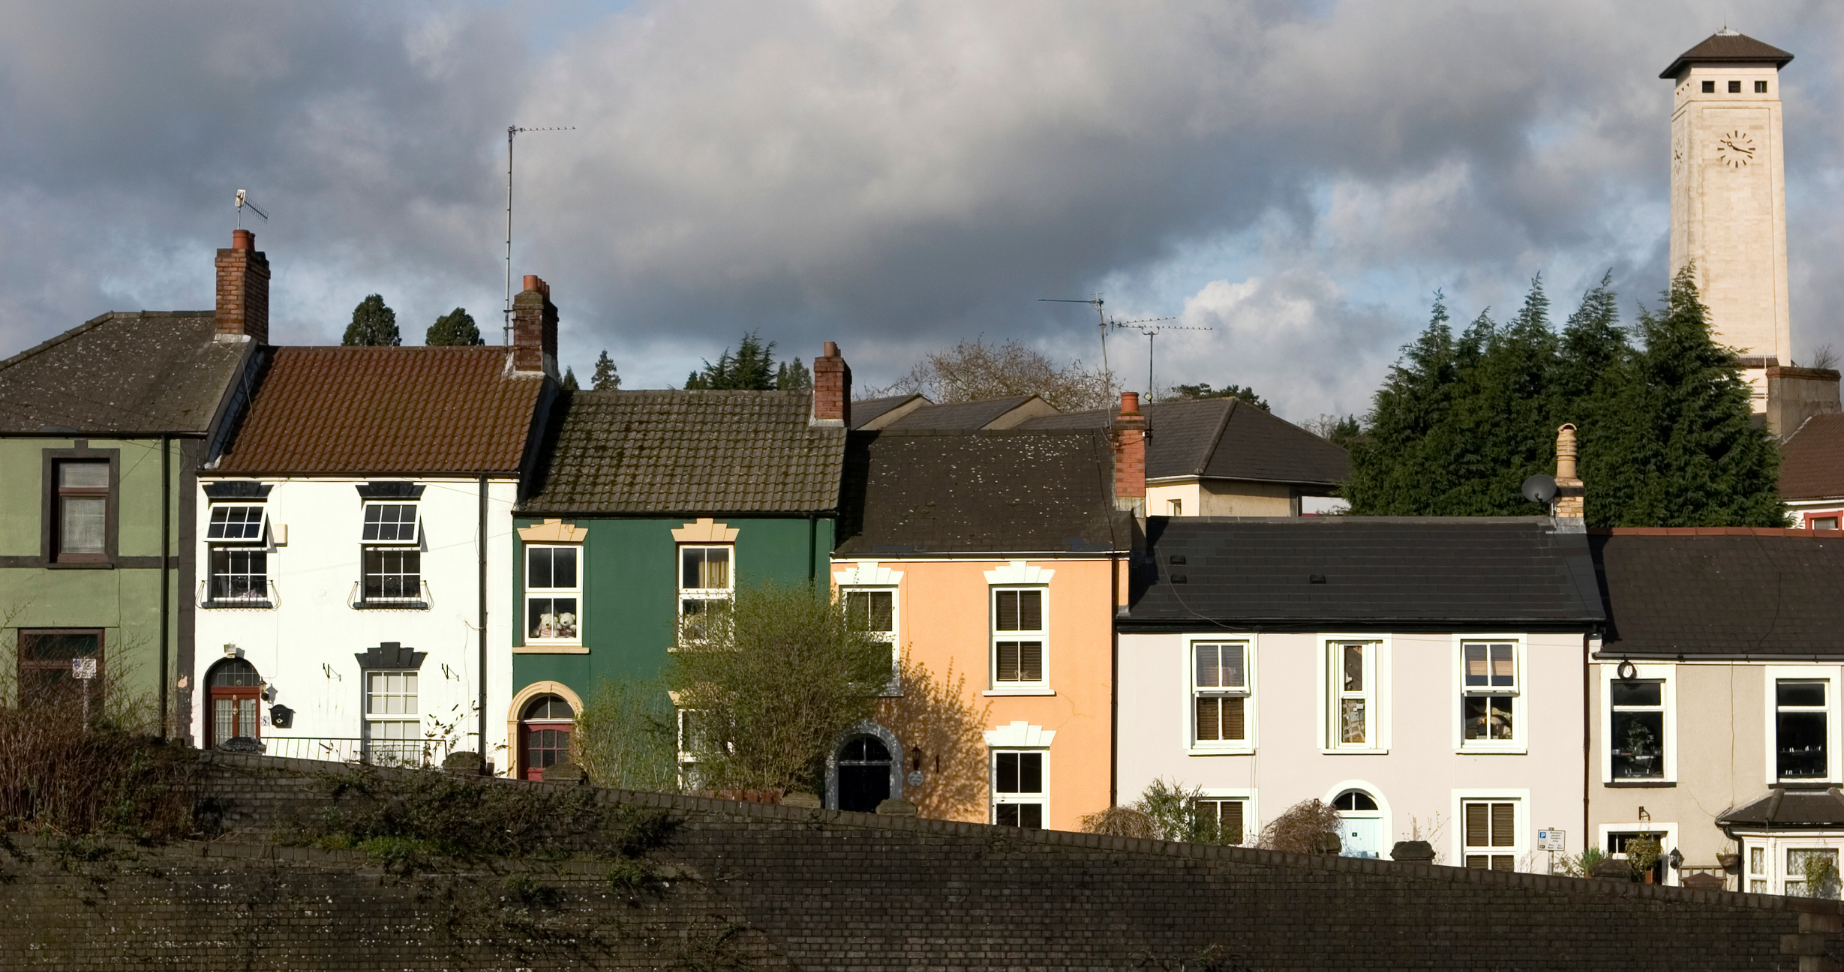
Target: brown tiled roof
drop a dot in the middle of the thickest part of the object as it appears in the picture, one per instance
(1727, 47)
(398, 411)
(688, 452)
(1812, 460)
(127, 373)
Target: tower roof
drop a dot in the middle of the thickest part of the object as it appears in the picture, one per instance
(1728, 47)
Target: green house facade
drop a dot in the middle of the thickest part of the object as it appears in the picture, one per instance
(102, 431)
(652, 506)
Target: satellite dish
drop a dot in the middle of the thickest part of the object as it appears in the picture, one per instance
(1540, 489)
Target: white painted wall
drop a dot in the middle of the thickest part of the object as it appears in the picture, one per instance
(1419, 776)
(305, 647)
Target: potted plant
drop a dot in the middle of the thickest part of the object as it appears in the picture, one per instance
(1641, 855)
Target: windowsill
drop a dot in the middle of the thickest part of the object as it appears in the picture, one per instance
(1639, 784)
(80, 565)
(1220, 751)
(1502, 749)
(1019, 691)
(390, 606)
(231, 605)
(1355, 751)
(550, 650)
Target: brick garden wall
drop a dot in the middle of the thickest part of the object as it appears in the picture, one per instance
(757, 886)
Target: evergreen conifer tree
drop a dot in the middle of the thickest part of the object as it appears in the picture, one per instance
(373, 324)
(750, 368)
(606, 378)
(793, 376)
(453, 329)
(569, 380)
(1391, 469)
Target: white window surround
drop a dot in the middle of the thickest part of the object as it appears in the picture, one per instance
(1834, 745)
(1015, 737)
(1380, 694)
(867, 573)
(1019, 735)
(1666, 673)
(1019, 573)
(571, 595)
(1522, 827)
(1519, 743)
(1251, 808)
(1041, 634)
(1039, 797)
(1251, 698)
(894, 636)
(1669, 843)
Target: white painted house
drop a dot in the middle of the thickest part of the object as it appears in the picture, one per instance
(355, 548)
(1423, 676)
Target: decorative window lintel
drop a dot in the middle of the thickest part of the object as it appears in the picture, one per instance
(1019, 572)
(705, 530)
(554, 531)
(1019, 735)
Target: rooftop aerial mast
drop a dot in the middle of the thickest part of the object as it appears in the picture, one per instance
(511, 132)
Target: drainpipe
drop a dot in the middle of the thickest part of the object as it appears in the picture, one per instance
(481, 546)
(813, 529)
(166, 539)
(1587, 745)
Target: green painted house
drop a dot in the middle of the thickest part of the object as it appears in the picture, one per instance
(102, 431)
(651, 506)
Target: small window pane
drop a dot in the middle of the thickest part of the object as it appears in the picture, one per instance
(1030, 610)
(1007, 773)
(550, 617)
(390, 521)
(1801, 743)
(1030, 772)
(1352, 721)
(235, 523)
(1800, 693)
(1209, 673)
(1487, 717)
(1638, 745)
(1007, 605)
(84, 519)
(1354, 668)
(1476, 665)
(1503, 666)
(84, 475)
(538, 567)
(1638, 693)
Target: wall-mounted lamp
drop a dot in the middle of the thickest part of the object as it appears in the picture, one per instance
(1627, 671)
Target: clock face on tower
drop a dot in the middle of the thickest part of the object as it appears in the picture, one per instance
(1735, 149)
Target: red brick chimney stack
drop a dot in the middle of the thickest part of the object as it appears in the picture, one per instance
(534, 329)
(832, 389)
(1130, 455)
(243, 291)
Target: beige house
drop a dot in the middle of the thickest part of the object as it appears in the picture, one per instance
(1714, 721)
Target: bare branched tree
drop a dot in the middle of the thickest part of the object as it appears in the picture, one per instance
(1308, 827)
(936, 717)
(974, 370)
(626, 736)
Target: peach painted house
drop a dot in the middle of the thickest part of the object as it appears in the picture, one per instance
(995, 560)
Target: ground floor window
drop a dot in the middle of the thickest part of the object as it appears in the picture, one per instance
(1019, 793)
(1811, 872)
(1639, 847)
(1221, 819)
(544, 735)
(1491, 833)
(61, 668)
(393, 725)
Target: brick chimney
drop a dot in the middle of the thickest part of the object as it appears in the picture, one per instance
(534, 329)
(243, 291)
(832, 389)
(1130, 456)
(1570, 495)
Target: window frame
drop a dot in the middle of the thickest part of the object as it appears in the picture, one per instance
(228, 546)
(402, 747)
(1519, 743)
(893, 636)
(416, 522)
(1605, 832)
(1040, 797)
(1379, 669)
(21, 665)
(1772, 675)
(1834, 517)
(1521, 825)
(526, 592)
(51, 507)
(1247, 796)
(397, 546)
(1188, 681)
(1665, 674)
(725, 594)
(1039, 686)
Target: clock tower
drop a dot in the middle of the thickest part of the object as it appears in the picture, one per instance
(1728, 195)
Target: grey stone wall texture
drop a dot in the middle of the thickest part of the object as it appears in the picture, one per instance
(752, 886)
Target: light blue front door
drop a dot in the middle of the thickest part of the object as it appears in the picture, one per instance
(1362, 836)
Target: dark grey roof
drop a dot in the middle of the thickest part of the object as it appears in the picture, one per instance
(979, 492)
(130, 373)
(867, 410)
(1727, 47)
(688, 452)
(960, 416)
(1222, 438)
(1722, 592)
(1790, 807)
(1376, 574)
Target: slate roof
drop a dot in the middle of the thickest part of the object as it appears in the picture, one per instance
(960, 416)
(1812, 459)
(145, 372)
(1222, 438)
(1011, 492)
(1382, 573)
(1789, 807)
(867, 410)
(1723, 592)
(1727, 47)
(397, 411)
(688, 452)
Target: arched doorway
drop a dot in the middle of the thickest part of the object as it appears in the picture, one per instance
(544, 735)
(864, 770)
(233, 702)
(1361, 831)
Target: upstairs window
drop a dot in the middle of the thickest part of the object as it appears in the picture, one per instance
(1709, 87)
(1175, 507)
(82, 511)
(393, 564)
(553, 594)
(235, 523)
(1219, 693)
(876, 611)
(1637, 728)
(1802, 729)
(390, 523)
(1760, 87)
(1735, 87)
(1018, 637)
(1353, 703)
(239, 557)
(1488, 693)
(706, 584)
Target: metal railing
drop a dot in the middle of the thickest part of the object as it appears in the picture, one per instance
(375, 752)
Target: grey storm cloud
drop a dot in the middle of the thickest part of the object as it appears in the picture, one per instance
(891, 175)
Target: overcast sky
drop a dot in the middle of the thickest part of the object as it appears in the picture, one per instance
(1299, 177)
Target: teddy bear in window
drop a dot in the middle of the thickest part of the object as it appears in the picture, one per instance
(566, 625)
(547, 626)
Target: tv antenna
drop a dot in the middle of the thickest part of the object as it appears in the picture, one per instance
(511, 132)
(1100, 316)
(1151, 328)
(243, 199)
